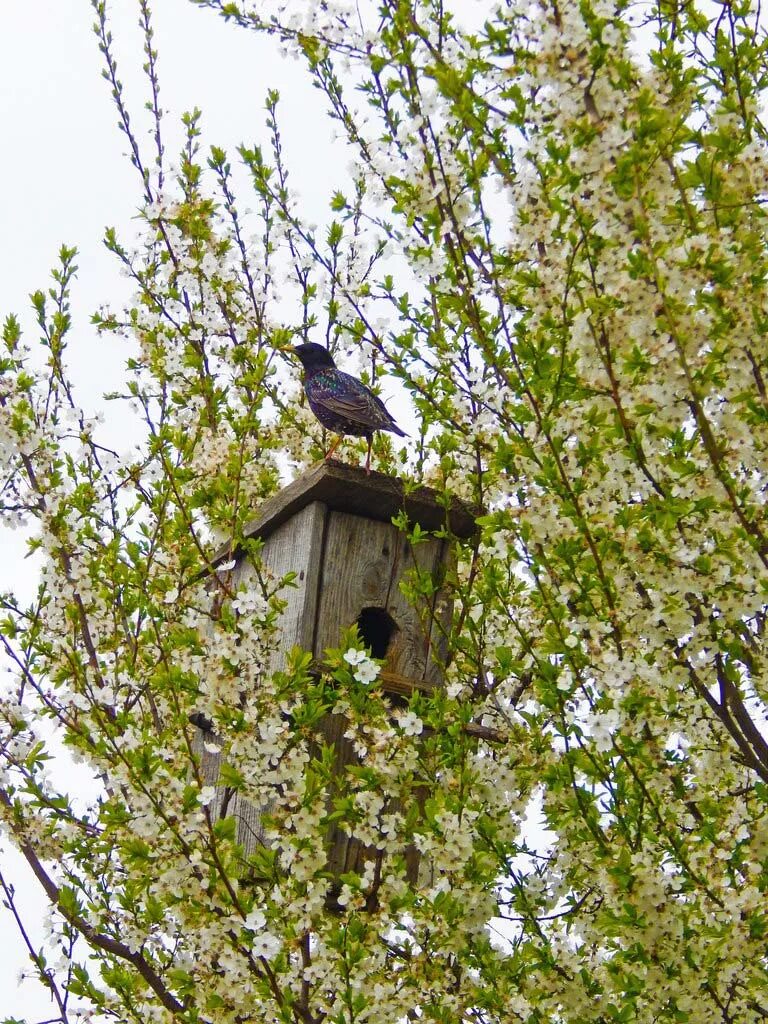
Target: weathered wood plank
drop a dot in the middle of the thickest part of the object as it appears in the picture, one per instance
(345, 851)
(411, 653)
(249, 828)
(363, 564)
(294, 547)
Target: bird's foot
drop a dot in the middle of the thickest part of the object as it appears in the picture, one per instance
(333, 448)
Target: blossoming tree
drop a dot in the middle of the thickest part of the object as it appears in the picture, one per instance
(555, 238)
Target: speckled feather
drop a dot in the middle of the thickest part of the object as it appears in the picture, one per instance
(345, 405)
(340, 402)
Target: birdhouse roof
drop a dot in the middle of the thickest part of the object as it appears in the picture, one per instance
(374, 496)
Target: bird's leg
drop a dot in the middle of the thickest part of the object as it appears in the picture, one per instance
(333, 447)
(368, 456)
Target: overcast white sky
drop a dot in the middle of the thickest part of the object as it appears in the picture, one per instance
(64, 178)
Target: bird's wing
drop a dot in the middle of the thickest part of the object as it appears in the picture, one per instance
(355, 402)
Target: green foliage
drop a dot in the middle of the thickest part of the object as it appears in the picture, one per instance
(554, 243)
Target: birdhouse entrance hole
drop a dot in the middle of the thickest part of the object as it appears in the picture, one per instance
(376, 628)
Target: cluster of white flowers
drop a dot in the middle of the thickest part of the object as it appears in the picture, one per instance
(264, 943)
(583, 341)
(364, 669)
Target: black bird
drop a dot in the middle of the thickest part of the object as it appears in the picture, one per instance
(340, 402)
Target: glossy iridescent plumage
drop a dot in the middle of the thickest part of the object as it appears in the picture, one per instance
(340, 402)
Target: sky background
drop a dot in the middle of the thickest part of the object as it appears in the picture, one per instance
(64, 177)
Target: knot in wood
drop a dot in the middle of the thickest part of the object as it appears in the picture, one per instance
(373, 577)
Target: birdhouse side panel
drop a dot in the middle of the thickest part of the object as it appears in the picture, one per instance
(295, 547)
(356, 568)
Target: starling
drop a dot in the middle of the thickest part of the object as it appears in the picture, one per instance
(341, 402)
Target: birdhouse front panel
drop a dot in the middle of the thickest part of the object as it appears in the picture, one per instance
(347, 570)
(362, 565)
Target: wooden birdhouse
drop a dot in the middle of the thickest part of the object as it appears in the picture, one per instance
(333, 529)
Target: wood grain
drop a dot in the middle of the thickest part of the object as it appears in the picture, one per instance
(363, 564)
(295, 547)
